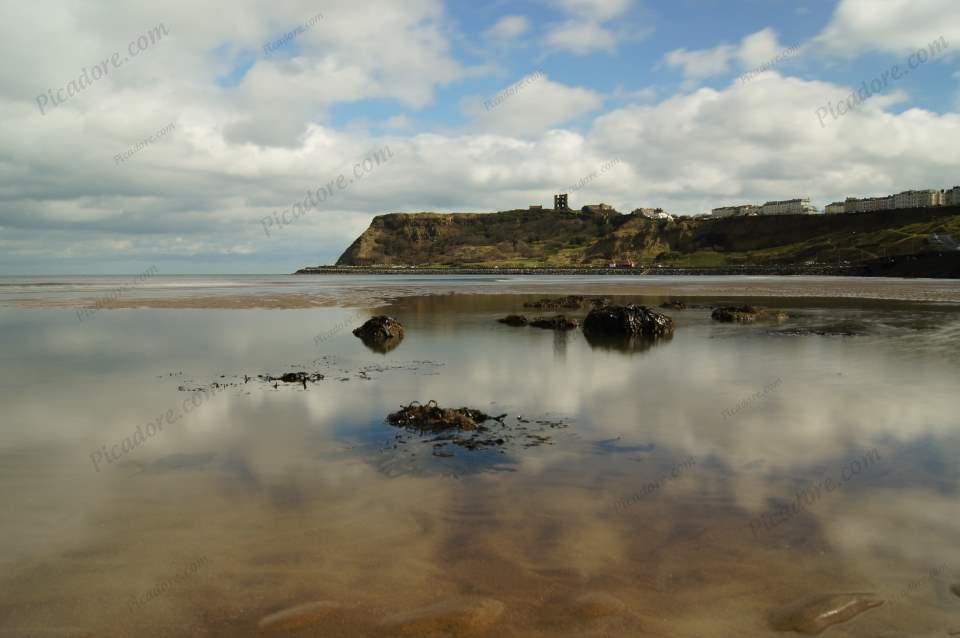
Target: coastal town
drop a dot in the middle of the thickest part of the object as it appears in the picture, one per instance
(910, 199)
(928, 198)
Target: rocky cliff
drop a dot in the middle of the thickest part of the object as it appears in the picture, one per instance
(523, 238)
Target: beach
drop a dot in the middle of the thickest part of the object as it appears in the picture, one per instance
(677, 488)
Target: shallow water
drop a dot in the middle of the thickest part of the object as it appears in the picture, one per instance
(655, 476)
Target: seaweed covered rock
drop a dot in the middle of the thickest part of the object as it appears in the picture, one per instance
(432, 417)
(746, 314)
(626, 322)
(514, 320)
(380, 333)
(559, 322)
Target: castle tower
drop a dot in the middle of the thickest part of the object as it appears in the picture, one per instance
(560, 202)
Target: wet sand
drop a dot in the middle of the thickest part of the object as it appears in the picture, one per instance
(268, 499)
(355, 292)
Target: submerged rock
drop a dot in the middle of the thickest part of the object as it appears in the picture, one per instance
(299, 616)
(381, 333)
(815, 614)
(842, 329)
(627, 321)
(597, 605)
(674, 305)
(514, 320)
(955, 588)
(746, 314)
(295, 377)
(454, 617)
(559, 322)
(570, 302)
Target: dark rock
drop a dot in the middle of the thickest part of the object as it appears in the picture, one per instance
(380, 328)
(746, 314)
(815, 614)
(514, 320)
(600, 302)
(955, 588)
(627, 321)
(381, 333)
(558, 322)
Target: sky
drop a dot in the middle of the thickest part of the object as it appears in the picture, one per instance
(473, 107)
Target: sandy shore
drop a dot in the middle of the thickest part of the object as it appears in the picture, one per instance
(377, 292)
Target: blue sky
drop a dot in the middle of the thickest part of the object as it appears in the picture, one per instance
(656, 86)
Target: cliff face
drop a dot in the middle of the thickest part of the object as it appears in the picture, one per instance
(548, 238)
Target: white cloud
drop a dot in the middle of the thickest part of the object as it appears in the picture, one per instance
(531, 106)
(581, 37)
(763, 140)
(895, 26)
(704, 63)
(585, 30)
(759, 48)
(755, 51)
(509, 27)
(601, 10)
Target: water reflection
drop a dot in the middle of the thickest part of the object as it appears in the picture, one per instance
(295, 495)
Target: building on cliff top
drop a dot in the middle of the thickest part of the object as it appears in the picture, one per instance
(598, 208)
(652, 213)
(560, 202)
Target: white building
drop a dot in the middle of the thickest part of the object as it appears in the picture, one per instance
(836, 208)
(918, 199)
(800, 206)
(735, 211)
(653, 213)
(868, 204)
(952, 197)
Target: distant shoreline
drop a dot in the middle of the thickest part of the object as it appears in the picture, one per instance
(934, 265)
